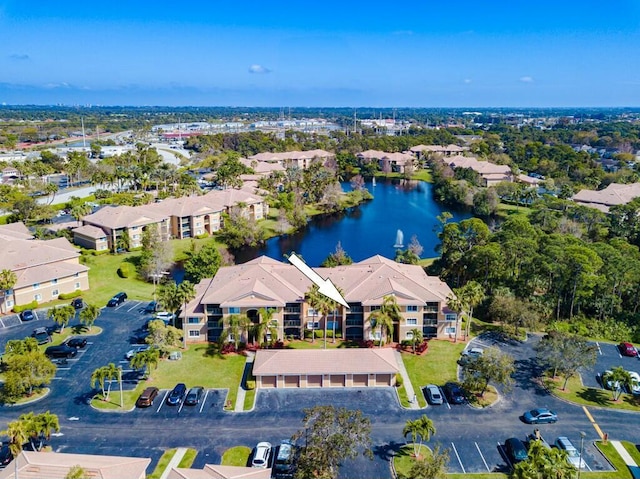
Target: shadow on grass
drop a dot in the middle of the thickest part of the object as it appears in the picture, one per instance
(631, 400)
(595, 396)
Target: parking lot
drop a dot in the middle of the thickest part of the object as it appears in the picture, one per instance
(474, 437)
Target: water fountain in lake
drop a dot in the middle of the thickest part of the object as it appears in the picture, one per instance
(399, 239)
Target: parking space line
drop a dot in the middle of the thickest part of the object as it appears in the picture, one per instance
(1, 321)
(181, 405)
(599, 349)
(162, 402)
(135, 305)
(204, 400)
(482, 457)
(504, 455)
(459, 461)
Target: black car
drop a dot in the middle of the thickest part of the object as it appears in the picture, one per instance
(60, 351)
(5, 455)
(194, 395)
(77, 343)
(27, 315)
(77, 303)
(177, 394)
(515, 450)
(117, 300)
(454, 393)
(152, 307)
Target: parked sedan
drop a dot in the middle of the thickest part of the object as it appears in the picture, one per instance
(540, 415)
(146, 398)
(262, 455)
(433, 394)
(454, 393)
(77, 343)
(77, 303)
(41, 335)
(62, 351)
(176, 395)
(635, 382)
(194, 395)
(515, 450)
(27, 315)
(573, 456)
(135, 350)
(628, 349)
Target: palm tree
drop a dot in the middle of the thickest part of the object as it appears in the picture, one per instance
(48, 423)
(237, 325)
(416, 338)
(99, 376)
(89, 315)
(8, 280)
(264, 324)
(318, 302)
(169, 297)
(146, 359)
(385, 317)
(421, 430)
(111, 372)
(186, 292)
(618, 378)
(472, 295)
(78, 211)
(77, 472)
(17, 433)
(62, 315)
(457, 304)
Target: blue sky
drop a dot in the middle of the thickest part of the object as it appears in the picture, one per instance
(332, 53)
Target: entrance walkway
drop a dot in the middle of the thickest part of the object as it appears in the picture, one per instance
(239, 407)
(175, 460)
(626, 457)
(413, 400)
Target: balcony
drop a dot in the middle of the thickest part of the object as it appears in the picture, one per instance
(295, 323)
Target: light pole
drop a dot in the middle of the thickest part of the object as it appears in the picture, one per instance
(582, 435)
(120, 381)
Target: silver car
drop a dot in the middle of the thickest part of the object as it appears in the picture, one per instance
(434, 395)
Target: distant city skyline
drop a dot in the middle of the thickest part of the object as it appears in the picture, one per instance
(352, 54)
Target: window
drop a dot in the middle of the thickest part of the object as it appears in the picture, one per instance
(193, 320)
(194, 334)
(77, 285)
(313, 325)
(451, 330)
(36, 285)
(55, 293)
(37, 297)
(375, 336)
(409, 335)
(375, 308)
(9, 303)
(54, 281)
(234, 310)
(412, 308)
(412, 322)
(312, 312)
(450, 317)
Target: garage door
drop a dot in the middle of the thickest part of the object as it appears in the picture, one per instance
(291, 381)
(314, 381)
(336, 380)
(360, 380)
(383, 379)
(268, 381)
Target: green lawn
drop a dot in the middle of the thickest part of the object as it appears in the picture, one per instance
(614, 458)
(579, 394)
(236, 456)
(199, 366)
(437, 366)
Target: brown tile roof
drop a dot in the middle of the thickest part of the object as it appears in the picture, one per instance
(482, 167)
(115, 217)
(15, 231)
(48, 272)
(185, 206)
(324, 361)
(214, 471)
(90, 231)
(291, 155)
(232, 196)
(265, 282)
(17, 255)
(55, 465)
(613, 194)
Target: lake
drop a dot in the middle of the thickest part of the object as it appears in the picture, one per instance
(366, 230)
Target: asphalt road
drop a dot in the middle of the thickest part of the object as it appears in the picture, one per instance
(473, 437)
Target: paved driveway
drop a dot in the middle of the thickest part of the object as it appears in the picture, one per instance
(474, 437)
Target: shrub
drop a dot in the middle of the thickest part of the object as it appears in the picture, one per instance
(72, 295)
(228, 348)
(126, 270)
(19, 309)
(399, 380)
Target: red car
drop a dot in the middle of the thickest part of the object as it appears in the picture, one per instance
(628, 349)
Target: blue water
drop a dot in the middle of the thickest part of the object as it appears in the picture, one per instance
(368, 229)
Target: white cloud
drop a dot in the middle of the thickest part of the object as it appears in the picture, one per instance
(467, 80)
(259, 69)
(526, 79)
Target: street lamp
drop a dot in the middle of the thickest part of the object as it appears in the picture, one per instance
(120, 381)
(582, 435)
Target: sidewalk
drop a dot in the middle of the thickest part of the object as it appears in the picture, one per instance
(406, 381)
(239, 407)
(626, 457)
(175, 460)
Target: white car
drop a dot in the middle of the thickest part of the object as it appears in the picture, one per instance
(262, 455)
(136, 349)
(165, 316)
(635, 382)
(574, 458)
